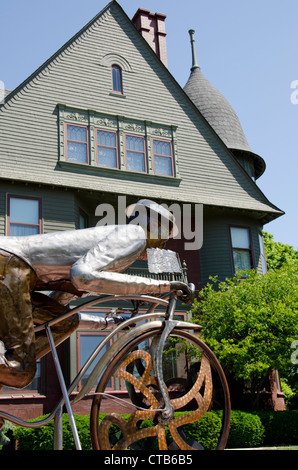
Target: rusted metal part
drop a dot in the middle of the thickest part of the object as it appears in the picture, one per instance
(202, 401)
(130, 433)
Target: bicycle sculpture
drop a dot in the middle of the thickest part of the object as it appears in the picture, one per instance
(145, 340)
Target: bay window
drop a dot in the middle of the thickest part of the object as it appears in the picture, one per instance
(104, 144)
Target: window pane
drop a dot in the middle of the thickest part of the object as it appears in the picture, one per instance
(261, 244)
(264, 265)
(242, 260)
(22, 213)
(135, 143)
(135, 161)
(24, 210)
(135, 153)
(163, 166)
(117, 85)
(107, 150)
(77, 152)
(107, 157)
(263, 255)
(36, 383)
(77, 133)
(83, 221)
(19, 230)
(88, 344)
(108, 139)
(240, 237)
(162, 148)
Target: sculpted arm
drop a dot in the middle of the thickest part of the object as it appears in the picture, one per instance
(97, 271)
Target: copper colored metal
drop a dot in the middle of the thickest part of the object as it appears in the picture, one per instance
(129, 429)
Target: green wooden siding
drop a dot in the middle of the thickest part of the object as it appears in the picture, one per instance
(216, 254)
(60, 211)
(57, 207)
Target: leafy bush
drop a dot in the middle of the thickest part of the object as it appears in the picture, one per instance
(288, 393)
(281, 427)
(250, 324)
(205, 431)
(246, 430)
(43, 438)
(5, 433)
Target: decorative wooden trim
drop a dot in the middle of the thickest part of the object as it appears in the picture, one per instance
(122, 125)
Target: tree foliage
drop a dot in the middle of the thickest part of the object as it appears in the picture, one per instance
(278, 254)
(251, 323)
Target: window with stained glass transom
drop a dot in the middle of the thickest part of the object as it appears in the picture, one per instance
(163, 158)
(135, 153)
(107, 154)
(77, 144)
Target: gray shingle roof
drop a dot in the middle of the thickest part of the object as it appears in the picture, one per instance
(216, 110)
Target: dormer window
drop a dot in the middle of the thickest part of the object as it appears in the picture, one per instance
(117, 79)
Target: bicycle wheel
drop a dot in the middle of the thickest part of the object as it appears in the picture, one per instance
(196, 387)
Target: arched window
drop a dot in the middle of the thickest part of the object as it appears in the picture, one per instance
(117, 79)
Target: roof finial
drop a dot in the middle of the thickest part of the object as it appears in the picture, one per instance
(193, 49)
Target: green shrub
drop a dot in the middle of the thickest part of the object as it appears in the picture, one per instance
(290, 395)
(246, 430)
(205, 431)
(281, 427)
(43, 438)
(5, 433)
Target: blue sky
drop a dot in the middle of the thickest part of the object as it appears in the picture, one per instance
(248, 50)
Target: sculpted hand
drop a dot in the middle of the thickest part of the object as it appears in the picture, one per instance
(184, 291)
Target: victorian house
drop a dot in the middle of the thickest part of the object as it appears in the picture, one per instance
(103, 118)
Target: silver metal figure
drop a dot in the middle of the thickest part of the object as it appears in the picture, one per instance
(78, 262)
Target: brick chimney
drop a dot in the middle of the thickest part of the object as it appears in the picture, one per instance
(152, 27)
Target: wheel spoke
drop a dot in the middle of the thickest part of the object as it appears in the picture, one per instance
(201, 387)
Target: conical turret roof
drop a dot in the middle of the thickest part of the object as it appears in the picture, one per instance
(219, 113)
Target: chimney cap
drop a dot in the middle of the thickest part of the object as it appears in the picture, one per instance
(148, 13)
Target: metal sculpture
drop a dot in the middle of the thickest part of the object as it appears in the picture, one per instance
(71, 263)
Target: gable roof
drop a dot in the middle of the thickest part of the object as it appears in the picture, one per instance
(253, 199)
(12, 93)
